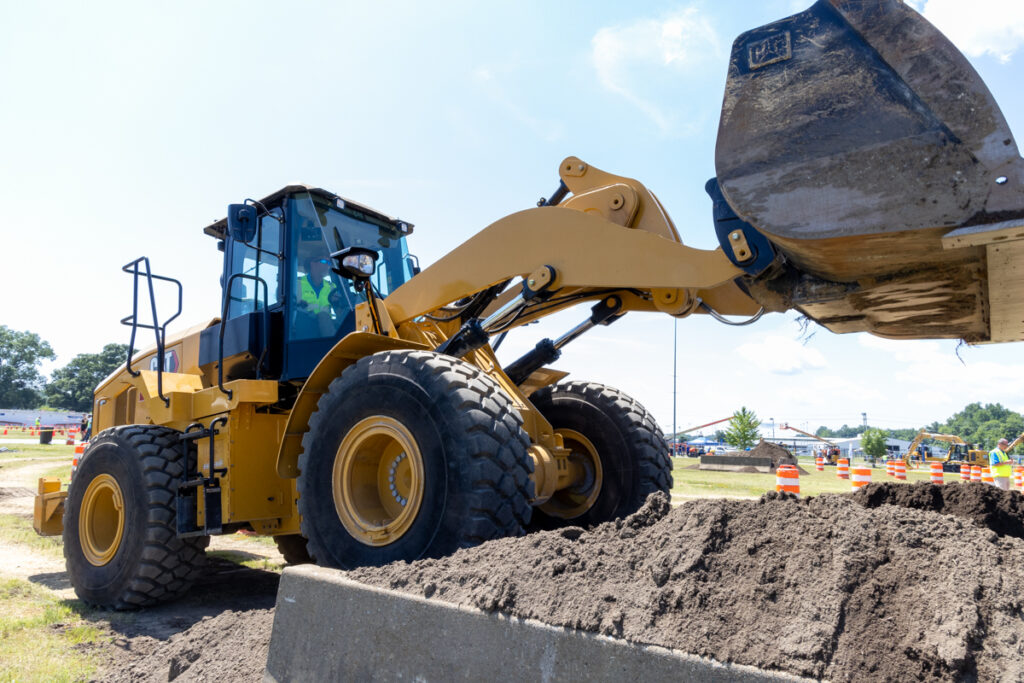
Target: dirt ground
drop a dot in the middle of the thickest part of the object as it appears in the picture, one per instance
(895, 582)
(220, 631)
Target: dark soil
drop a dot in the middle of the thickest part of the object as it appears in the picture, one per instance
(778, 454)
(842, 587)
(220, 631)
(988, 506)
(15, 492)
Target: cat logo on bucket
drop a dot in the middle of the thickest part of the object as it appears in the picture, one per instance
(170, 362)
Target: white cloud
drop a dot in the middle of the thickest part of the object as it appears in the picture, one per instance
(931, 376)
(781, 355)
(626, 57)
(994, 27)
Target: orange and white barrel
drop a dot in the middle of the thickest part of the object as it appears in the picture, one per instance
(843, 468)
(861, 477)
(975, 473)
(899, 470)
(819, 463)
(986, 476)
(787, 478)
(79, 451)
(890, 467)
(1018, 477)
(965, 472)
(936, 472)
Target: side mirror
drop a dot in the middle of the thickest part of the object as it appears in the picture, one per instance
(242, 222)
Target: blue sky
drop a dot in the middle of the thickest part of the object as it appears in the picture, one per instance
(127, 127)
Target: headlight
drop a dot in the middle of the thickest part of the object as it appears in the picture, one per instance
(357, 262)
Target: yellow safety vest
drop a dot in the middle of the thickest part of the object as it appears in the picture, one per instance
(318, 302)
(1000, 463)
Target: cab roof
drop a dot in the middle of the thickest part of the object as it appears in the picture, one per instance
(219, 228)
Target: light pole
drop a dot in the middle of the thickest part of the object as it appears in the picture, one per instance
(675, 355)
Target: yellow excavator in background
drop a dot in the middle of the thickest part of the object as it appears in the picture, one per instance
(352, 406)
(831, 452)
(960, 452)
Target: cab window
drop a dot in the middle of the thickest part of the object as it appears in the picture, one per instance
(257, 259)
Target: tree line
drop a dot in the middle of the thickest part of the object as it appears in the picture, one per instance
(978, 424)
(71, 387)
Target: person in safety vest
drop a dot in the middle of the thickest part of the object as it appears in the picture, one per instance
(318, 297)
(999, 463)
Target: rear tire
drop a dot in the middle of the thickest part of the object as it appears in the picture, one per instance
(411, 454)
(633, 456)
(293, 548)
(122, 550)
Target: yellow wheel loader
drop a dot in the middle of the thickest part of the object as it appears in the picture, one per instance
(353, 407)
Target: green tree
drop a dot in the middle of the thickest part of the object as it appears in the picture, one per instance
(872, 442)
(984, 424)
(743, 429)
(21, 354)
(72, 386)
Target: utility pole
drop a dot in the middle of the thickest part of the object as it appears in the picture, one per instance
(864, 417)
(675, 356)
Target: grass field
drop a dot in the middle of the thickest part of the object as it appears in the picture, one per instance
(694, 483)
(34, 450)
(43, 638)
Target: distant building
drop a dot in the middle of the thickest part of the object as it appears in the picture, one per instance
(852, 447)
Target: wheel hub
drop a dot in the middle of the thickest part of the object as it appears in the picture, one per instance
(101, 520)
(574, 500)
(378, 480)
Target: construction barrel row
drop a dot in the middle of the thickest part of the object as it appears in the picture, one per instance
(787, 477)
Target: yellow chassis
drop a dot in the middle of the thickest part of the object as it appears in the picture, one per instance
(612, 233)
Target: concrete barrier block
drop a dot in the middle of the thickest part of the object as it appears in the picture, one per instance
(329, 628)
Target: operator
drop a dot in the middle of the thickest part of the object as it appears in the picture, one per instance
(318, 299)
(1000, 464)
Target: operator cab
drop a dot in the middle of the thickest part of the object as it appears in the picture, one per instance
(285, 304)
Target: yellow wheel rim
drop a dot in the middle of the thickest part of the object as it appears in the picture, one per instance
(377, 480)
(579, 497)
(101, 521)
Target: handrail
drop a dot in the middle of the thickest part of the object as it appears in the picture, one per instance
(224, 323)
(159, 329)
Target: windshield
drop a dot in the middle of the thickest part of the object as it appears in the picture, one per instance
(324, 301)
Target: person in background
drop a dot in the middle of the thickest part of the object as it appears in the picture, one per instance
(37, 422)
(1000, 464)
(83, 428)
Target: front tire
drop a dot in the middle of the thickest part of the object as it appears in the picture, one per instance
(411, 454)
(615, 441)
(120, 541)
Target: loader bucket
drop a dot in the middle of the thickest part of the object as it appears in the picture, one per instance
(857, 138)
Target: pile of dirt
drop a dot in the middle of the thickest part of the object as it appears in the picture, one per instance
(231, 646)
(831, 587)
(985, 505)
(219, 631)
(778, 454)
